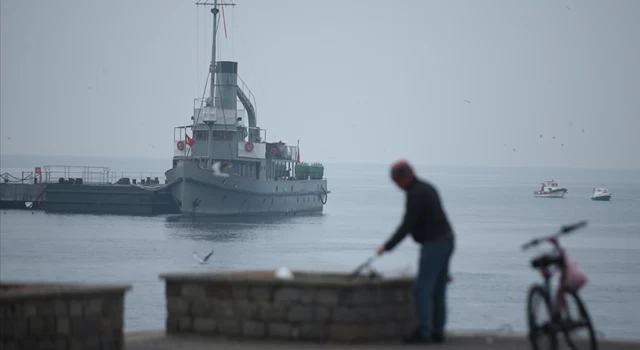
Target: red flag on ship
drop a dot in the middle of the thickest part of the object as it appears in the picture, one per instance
(188, 140)
(298, 150)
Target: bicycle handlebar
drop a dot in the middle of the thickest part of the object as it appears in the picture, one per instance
(563, 231)
(578, 225)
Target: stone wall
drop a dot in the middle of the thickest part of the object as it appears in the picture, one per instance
(61, 316)
(314, 307)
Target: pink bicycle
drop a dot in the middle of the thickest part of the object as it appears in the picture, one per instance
(556, 305)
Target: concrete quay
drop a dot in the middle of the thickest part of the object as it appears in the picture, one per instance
(456, 341)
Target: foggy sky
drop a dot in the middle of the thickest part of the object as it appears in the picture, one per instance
(355, 81)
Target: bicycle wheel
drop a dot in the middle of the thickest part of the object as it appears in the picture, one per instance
(540, 330)
(575, 318)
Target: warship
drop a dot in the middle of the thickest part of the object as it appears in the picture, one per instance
(226, 166)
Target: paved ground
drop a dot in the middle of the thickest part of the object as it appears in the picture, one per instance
(458, 341)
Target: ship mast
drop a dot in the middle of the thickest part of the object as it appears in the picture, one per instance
(212, 66)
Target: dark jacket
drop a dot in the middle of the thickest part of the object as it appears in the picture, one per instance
(424, 217)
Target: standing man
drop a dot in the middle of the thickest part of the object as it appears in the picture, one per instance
(428, 224)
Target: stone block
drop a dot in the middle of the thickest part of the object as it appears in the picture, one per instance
(113, 305)
(60, 344)
(313, 331)
(345, 315)
(172, 324)
(381, 313)
(92, 343)
(286, 295)
(350, 333)
(108, 343)
(403, 312)
(204, 325)
(201, 307)
(93, 325)
(322, 314)
(390, 330)
(359, 296)
(29, 309)
(75, 308)
(191, 290)
(14, 328)
(177, 306)
(10, 311)
(246, 310)
(220, 291)
(117, 322)
(78, 327)
(240, 292)
(93, 307)
(172, 289)
(327, 297)
(307, 295)
(41, 326)
(61, 307)
(223, 311)
(45, 308)
(9, 345)
(106, 325)
(229, 327)
(185, 324)
(76, 344)
(30, 343)
(63, 325)
(272, 312)
(300, 313)
(253, 329)
(393, 296)
(46, 344)
(260, 293)
(279, 330)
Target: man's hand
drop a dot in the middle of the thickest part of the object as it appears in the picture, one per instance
(380, 250)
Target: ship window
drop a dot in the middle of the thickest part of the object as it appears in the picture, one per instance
(200, 134)
(223, 134)
(291, 188)
(276, 188)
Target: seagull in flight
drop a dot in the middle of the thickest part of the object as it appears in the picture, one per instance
(216, 170)
(202, 260)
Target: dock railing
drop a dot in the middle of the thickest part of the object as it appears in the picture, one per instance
(98, 175)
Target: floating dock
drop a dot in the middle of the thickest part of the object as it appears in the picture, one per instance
(89, 190)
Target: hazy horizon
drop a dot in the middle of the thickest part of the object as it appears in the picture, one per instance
(454, 83)
(28, 161)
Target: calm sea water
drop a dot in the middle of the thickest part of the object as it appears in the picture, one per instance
(492, 210)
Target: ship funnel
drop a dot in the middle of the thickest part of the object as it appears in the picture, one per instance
(226, 85)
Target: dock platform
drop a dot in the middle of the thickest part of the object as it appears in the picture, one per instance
(15, 195)
(456, 341)
(89, 190)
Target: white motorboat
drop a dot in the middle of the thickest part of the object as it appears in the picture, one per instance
(551, 189)
(600, 194)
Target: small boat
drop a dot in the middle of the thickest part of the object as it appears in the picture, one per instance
(600, 194)
(550, 189)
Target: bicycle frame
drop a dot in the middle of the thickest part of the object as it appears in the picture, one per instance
(558, 300)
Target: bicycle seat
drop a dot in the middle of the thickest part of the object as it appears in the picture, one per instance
(546, 260)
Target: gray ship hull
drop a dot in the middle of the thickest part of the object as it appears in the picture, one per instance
(198, 192)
